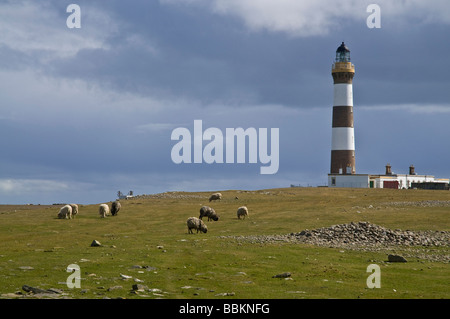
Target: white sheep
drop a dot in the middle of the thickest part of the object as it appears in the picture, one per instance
(208, 212)
(74, 209)
(242, 211)
(215, 196)
(195, 223)
(65, 212)
(103, 210)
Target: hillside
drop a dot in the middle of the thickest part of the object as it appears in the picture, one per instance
(147, 244)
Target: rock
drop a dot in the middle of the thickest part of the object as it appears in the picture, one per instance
(36, 290)
(95, 243)
(150, 268)
(283, 275)
(114, 288)
(136, 267)
(54, 290)
(396, 259)
(26, 268)
(139, 287)
(10, 295)
(225, 294)
(155, 290)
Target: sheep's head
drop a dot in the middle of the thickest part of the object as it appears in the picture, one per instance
(203, 227)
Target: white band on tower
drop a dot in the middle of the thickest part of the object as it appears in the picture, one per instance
(343, 138)
(343, 94)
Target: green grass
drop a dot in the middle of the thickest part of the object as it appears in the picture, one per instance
(207, 266)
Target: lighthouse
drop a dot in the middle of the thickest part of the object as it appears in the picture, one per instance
(342, 172)
(343, 135)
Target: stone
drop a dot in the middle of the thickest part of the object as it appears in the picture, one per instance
(136, 267)
(54, 290)
(26, 268)
(139, 287)
(225, 294)
(396, 259)
(114, 288)
(150, 268)
(283, 275)
(95, 243)
(36, 290)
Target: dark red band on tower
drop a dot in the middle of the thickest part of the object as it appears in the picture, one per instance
(343, 77)
(342, 159)
(342, 116)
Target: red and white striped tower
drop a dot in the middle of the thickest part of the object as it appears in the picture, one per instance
(343, 136)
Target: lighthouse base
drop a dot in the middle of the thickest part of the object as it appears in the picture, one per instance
(342, 162)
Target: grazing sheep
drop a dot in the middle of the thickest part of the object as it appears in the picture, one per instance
(215, 196)
(242, 211)
(103, 210)
(115, 207)
(208, 212)
(195, 223)
(65, 212)
(74, 209)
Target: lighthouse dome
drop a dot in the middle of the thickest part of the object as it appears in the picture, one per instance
(342, 48)
(342, 53)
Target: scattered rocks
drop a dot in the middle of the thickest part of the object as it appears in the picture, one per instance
(423, 203)
(365, 233)
(361, 236)
(171, 195)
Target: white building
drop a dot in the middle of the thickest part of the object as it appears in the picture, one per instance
(388, 180)
(348, 180)
(120, 195)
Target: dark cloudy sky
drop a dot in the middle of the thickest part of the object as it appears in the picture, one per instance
(90, 111)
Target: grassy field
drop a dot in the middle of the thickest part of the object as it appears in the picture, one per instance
(148, 244)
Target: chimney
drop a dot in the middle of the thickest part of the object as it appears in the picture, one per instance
(411, 170)
(388, 169)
